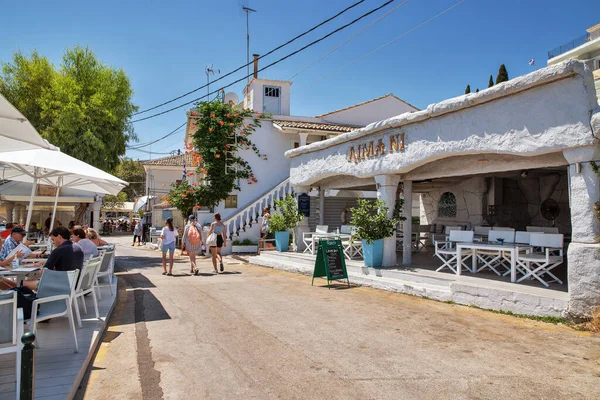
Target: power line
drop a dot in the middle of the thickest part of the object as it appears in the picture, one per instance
(159, 139)
(270, 65)
(248, 63)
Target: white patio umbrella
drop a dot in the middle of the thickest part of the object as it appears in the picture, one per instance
(16, 132)
(55, 168)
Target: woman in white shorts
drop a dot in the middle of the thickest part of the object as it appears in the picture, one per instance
(168, 236)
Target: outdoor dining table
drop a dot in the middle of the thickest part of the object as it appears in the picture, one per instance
(20, 273)
(511, 248)
(316, 237)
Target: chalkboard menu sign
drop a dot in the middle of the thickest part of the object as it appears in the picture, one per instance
(330, 260)
(304, 204)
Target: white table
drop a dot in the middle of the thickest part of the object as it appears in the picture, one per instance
(315, 239)
(511, 248)
(20, 273)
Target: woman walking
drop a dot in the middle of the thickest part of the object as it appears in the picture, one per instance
(192, 242)
(168, 235)
(218, 229)
(137, 233)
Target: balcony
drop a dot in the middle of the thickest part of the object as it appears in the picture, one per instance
(569, 46)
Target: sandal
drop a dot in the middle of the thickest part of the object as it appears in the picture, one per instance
(222, 267)
(215, 271)
(197, 272)
(169, 274)
(164, 273)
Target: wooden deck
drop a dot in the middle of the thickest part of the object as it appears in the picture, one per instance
(58, 369)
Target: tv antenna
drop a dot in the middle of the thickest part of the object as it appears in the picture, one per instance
(209, 70)
(248, 10)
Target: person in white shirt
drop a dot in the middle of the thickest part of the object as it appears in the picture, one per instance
(168, 235)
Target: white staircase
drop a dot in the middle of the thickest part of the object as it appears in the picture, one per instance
(245, 224)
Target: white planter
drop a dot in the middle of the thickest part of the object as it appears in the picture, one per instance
(244, 249)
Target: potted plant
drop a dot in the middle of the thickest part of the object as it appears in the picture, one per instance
(372, 225)
(285, 219)
(245, 246)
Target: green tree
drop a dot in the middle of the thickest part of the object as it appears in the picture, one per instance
(23, 83)
(468, 89)
(477, 90)
(110, 201)
(502, 75)
(131, 171)
(183, 197)
(491, 82)
(84, 107)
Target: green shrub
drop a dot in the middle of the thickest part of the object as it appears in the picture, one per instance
(287, 216)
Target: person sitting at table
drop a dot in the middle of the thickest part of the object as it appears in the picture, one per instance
(33, 228)
(17, 235)
(88, 247)
(92, 234)
(6, 233)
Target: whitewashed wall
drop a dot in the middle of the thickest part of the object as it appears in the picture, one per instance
(373, 111)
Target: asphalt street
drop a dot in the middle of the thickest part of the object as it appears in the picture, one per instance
(257, 333)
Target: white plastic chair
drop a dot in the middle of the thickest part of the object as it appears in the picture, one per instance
(522, 237)
(106, 271)
(549, 229)
(11, 330)
(536, 265)
(86, 285)
(533, 228)
(482, 230)
(307, 237)
(503, 228)
(446, 251)
(55, 296)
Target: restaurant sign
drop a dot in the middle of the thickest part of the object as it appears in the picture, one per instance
(376, 148)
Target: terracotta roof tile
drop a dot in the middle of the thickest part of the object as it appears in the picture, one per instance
(172, 161)
(317, 126)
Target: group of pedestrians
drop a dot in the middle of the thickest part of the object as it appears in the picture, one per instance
(193, 244)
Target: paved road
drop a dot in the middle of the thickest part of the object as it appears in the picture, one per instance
(255, 333)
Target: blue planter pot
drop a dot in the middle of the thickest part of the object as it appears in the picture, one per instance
(282, 241)
(373, 253)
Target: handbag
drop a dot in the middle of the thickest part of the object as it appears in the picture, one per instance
(211, 240)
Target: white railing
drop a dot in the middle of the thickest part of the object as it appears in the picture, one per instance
(249, 214)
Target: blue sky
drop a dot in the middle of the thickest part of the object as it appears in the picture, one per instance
(164, 47)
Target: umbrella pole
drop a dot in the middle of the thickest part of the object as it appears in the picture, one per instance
(31, 198)
(59, 184)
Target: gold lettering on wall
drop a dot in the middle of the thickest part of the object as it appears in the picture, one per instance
(371, 149)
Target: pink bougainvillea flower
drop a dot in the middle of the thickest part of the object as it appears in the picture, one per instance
(228, 115)
(217, 155)
(210, 129)
(193, 113)
(231, 124)
(222, 123)
(236, 115)
(212, 115)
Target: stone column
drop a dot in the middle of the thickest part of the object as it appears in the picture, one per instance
(583, 254)
(407, 213)
(303, 137)
(387, 187)
(9, 206)
(96, 223)
(321, 206)
(20, 213)
(303, 226)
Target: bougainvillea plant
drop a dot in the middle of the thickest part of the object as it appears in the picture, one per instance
(221, 132)
(183, 197)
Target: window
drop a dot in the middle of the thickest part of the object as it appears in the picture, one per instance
(272, 100)
(231, 201)
(447, 206)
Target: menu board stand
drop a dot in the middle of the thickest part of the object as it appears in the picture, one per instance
(330, 260)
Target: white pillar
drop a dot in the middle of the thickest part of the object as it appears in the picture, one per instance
(20, 213)
(9, 206)
(387, 186)
(303, 137)
(96, 223)
(407, 213)
(321, 206)
(303, 226)
(583, 254)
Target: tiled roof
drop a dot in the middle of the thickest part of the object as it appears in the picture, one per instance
(172, 161)
(316, 126)
(367, 102)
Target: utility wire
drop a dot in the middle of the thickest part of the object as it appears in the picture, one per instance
(264, 55)
(391, 41)
(345, 42)
(157, 140)
(270, 65)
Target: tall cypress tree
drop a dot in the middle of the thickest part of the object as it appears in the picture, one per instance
(502, 75)
(468, 89)
(491, 82)
(477, 90)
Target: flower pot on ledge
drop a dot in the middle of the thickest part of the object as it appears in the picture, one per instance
(373, 253)
(282, 241)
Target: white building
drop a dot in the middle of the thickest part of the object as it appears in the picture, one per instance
(584, 48)
(510, 147)
(276, 136)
